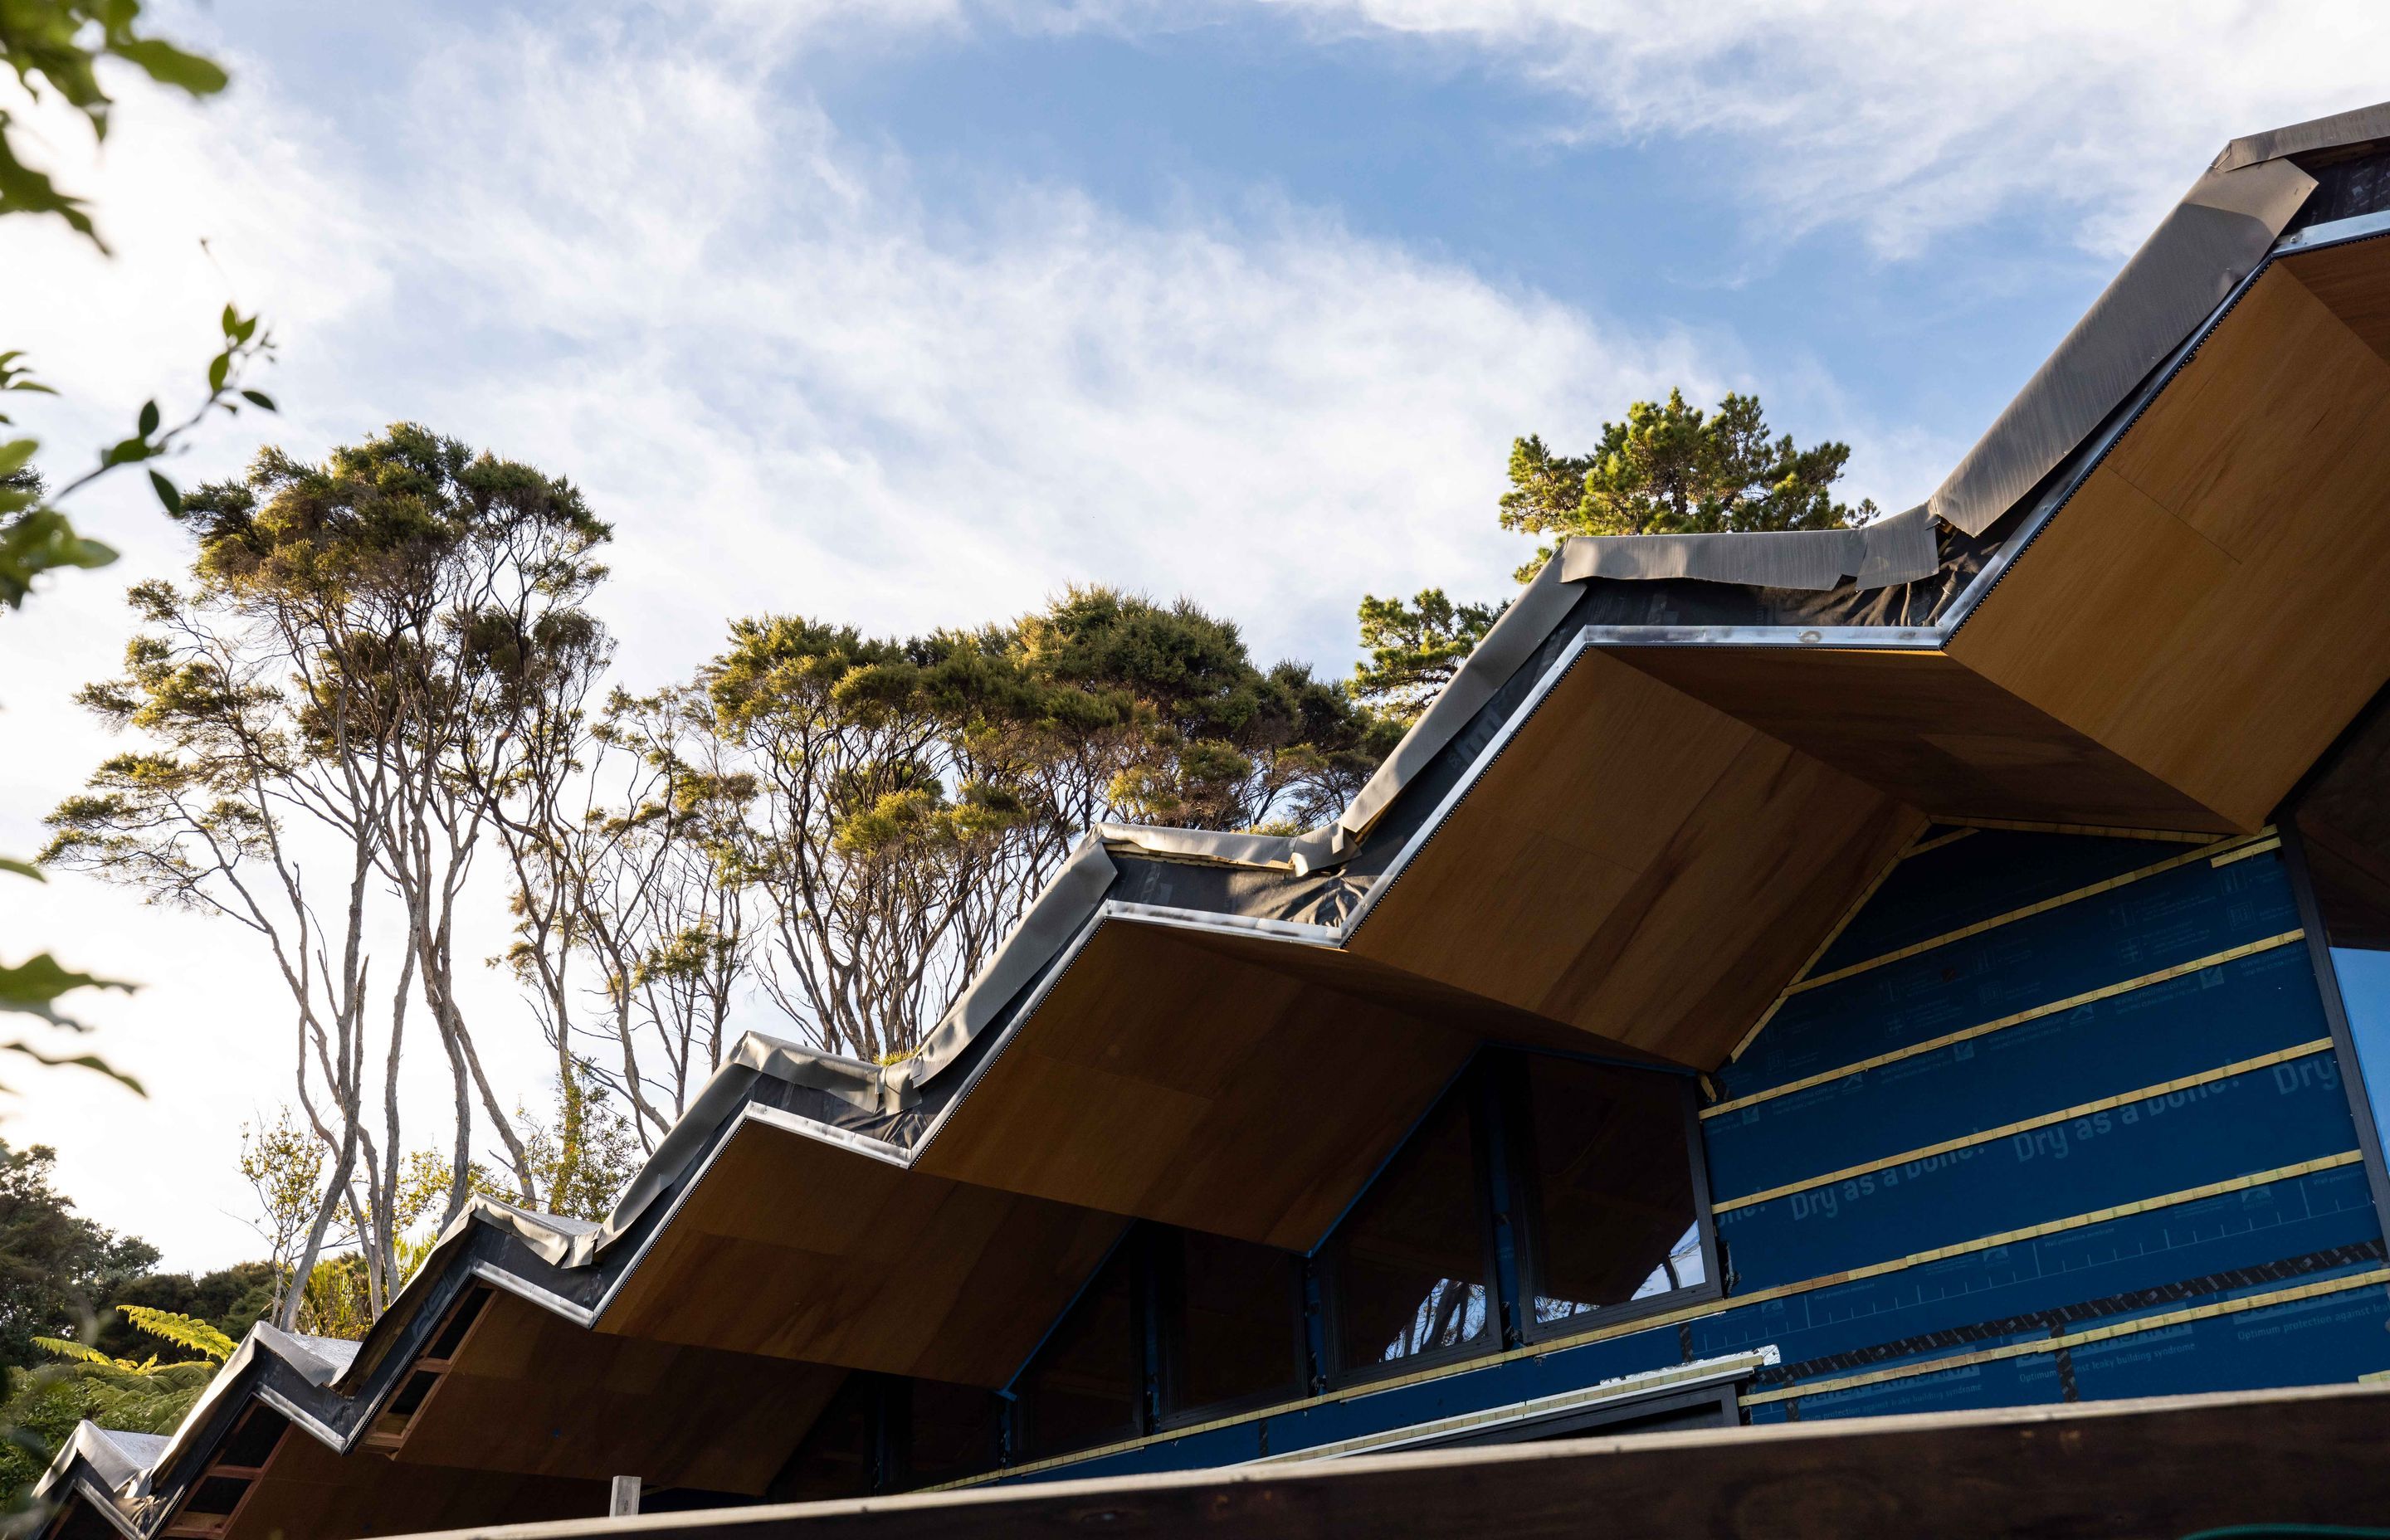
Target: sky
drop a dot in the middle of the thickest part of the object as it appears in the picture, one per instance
(910, 313)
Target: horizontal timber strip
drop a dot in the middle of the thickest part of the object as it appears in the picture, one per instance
(2026, 1125)
(2011, 917)
(1833, 936)
(2098, 831)
(2105, 992)
(1936, 842)
(2054, 1321)
(1707, 1308)
(2245, 852)
(2080, 1338)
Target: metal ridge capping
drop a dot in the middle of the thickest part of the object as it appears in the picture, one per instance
(2223, 228)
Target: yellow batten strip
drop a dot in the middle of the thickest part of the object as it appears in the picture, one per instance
(1833, 936)
(1663, 1319)
(2078, 1339)
(1935, 843)
(2244, 852)
(2037, 1013)
(2205, 852)
(2206, 1077)
(2101, 831)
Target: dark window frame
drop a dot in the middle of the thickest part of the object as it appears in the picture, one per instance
(2290, 836)
(1492, 1083)
(1469, 1084)
(2335, 1014)
(1167, 1307)
(1526, 1205)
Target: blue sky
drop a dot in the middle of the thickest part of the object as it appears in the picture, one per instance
(907, 313)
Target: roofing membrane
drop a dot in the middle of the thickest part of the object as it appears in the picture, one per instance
(1904, 574)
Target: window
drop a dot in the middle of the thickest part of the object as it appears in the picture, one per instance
(2343, 826)
(1234, 1314)
(1085, 1386)
(949, 1431)
(1605, 1185)
(1409, 1262)
(839, 1457)
(1600, 1195)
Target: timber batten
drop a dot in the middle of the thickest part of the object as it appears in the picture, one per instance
(1959, 897)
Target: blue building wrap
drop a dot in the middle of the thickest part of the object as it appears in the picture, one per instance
(2052, 1117)
(2061, 1114)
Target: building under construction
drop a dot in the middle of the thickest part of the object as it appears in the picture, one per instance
(1805, 978)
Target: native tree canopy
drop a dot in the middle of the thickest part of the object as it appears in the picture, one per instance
(1666, 468)
(56, 1267)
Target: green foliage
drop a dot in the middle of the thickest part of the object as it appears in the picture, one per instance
(54, 47)
(35, 537)
(384, 521)
(35, 987)
(1414, 649)
(897, 802)
(56, 1266)
(40, 1404)
(1669, 469)
(186, 1332)
(1198, 735)
(583, 1160)
(229, 1301)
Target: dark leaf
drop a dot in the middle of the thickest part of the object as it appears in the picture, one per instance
(170, 66)
(34, 986)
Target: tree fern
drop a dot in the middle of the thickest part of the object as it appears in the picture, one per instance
(185, 1331)
(81, 1353)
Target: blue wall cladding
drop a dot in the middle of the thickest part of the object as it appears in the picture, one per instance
(2061, 1114)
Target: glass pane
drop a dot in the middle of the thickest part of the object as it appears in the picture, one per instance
(1609, 1188)
(1410, 1261)
(2365, 994)
(951, 1433)
(1239, 1335)
(2343, 822)
(835, 1460)
(1086, 1384)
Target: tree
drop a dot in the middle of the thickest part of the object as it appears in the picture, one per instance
(905, 800)
(1669, 469)
(1414, 649)
(56, 1267)
(370, 652)
(891, 829)
(633, 868)
(230, 1300)
(42, 1405)
(1164, 718)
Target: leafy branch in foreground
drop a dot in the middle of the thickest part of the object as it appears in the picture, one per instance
(35, 535)
(57, 44)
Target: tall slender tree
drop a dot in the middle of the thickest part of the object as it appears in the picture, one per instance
(371, 652)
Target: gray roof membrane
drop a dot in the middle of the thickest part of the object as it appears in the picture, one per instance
(1913, 572)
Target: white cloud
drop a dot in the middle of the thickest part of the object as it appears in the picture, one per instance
(1911, 117)
(787, 383)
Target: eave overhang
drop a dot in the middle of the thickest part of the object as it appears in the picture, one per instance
(1610, 838)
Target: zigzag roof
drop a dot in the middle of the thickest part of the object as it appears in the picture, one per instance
(2147, 599)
